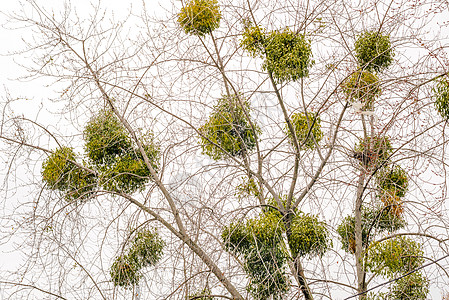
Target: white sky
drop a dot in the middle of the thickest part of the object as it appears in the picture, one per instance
(11, 40)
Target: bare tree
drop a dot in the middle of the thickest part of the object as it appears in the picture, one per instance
(231, 150)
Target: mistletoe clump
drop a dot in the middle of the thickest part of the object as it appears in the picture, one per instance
(373, 51)
(374, 220)
(129, 172)
(266, 270)
(267, 228)
(110, 149)
(441, 94)
(145, 250)
(106, 138)
(84, 184)
(362, 86)
(392, 181)
(387, 218)
(346, 231)
(287, 54)
(412, 287)
(309, 236)
(60, 173)
(260, 242)
(204, 294)
(124, 272)
(242, 237)
(254, 40)
(373, 151)
(228, 131)
(302, 123)
(200, 17)
(56, 168)
(236, 238)
(395, 256)
(394, 204)
(248, 187)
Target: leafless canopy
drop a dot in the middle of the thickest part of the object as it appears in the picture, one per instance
(164, 84)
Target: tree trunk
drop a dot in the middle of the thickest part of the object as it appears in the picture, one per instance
(361, 284)
(298, 269)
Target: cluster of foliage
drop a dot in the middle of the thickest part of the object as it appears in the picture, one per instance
(346, 231)
(110, 150)
(106, 139)
(392, 257)
(395, 257)
(392, 181)
(411, 287)
(248, 188)
(124, 272)
(394, 204)
(374, 220)
(200, 17)
(60, 173)
(362, 86)
(114, 163)
(205, 294)
(146, 250)
(130, 173)
(56, 168)
(392, 184)
(287, 54)
(259, 241)
(266, 269)
(373, 151)
(388, 218)
(242, 237)
(228, 131)
(253, 40)
(308, 236)
(441, 92)
(373, 51)
(307, 129)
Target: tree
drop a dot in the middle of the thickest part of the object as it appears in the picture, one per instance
(262, 150)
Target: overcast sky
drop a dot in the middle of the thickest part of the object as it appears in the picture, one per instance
(12, 40)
